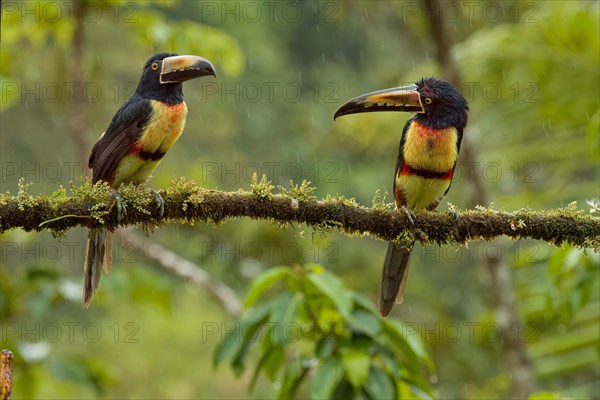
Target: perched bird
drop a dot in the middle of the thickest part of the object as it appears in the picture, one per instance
(427, 156)
(139, 135)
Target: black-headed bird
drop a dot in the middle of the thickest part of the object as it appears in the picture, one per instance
(427, 157)
(139, 135)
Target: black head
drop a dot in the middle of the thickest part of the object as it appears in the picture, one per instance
(442, 103)
(164, 73)
(438, 104)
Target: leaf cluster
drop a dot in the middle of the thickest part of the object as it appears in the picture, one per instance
(305, 325)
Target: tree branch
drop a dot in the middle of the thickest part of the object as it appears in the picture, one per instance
(92, 206)
(177, 265)
(6, 372)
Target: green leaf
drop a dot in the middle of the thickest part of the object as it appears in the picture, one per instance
(408, 390)
(273, 363)
(410, 344)
(363, 301)
(325, 347)
(264, 282)
(270, 363)
(356, 364)
(285, 330)
(294, 374)
(380, 385)
(332, 287)
(234, 341)
(345, 391)
(391, 362)
(544, 396)
(279, 307)
(248, 337)
(327, 378)
(366, 323)
(228, 348)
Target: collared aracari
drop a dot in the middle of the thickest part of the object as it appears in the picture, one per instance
(139, 135)
(427, 156)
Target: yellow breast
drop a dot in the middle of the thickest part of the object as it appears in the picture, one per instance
(162, 131)
(165, 126)
(430, 149)
(419, 192)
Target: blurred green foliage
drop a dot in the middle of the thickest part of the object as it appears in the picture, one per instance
(317, 323)
(530, 72)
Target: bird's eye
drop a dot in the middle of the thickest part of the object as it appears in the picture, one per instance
(428, 100)
(154, 66)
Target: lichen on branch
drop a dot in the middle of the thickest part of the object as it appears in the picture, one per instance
(93, 206)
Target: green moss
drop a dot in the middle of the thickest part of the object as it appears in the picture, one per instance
(23, 199)
(379, 202)
(137, 197)
(60, 193)
(5, 199)
(185, 202)
(98, 195)
(342, 200)
(262, 190)
(302, 192)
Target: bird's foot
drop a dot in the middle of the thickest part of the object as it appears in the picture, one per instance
(411, 215)
(160, 203)
(121, 209)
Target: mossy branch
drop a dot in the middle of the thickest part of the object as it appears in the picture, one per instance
(92, 206)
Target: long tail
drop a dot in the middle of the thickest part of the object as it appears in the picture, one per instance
(98, 254)
(393, 276)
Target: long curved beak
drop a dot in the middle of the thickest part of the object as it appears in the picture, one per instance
(178, 69)
(404, 98)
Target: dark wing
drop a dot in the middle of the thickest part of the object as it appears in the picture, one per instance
(122, 133)
(398, 196)
(459, 134)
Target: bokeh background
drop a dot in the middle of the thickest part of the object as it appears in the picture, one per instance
(530, 71)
